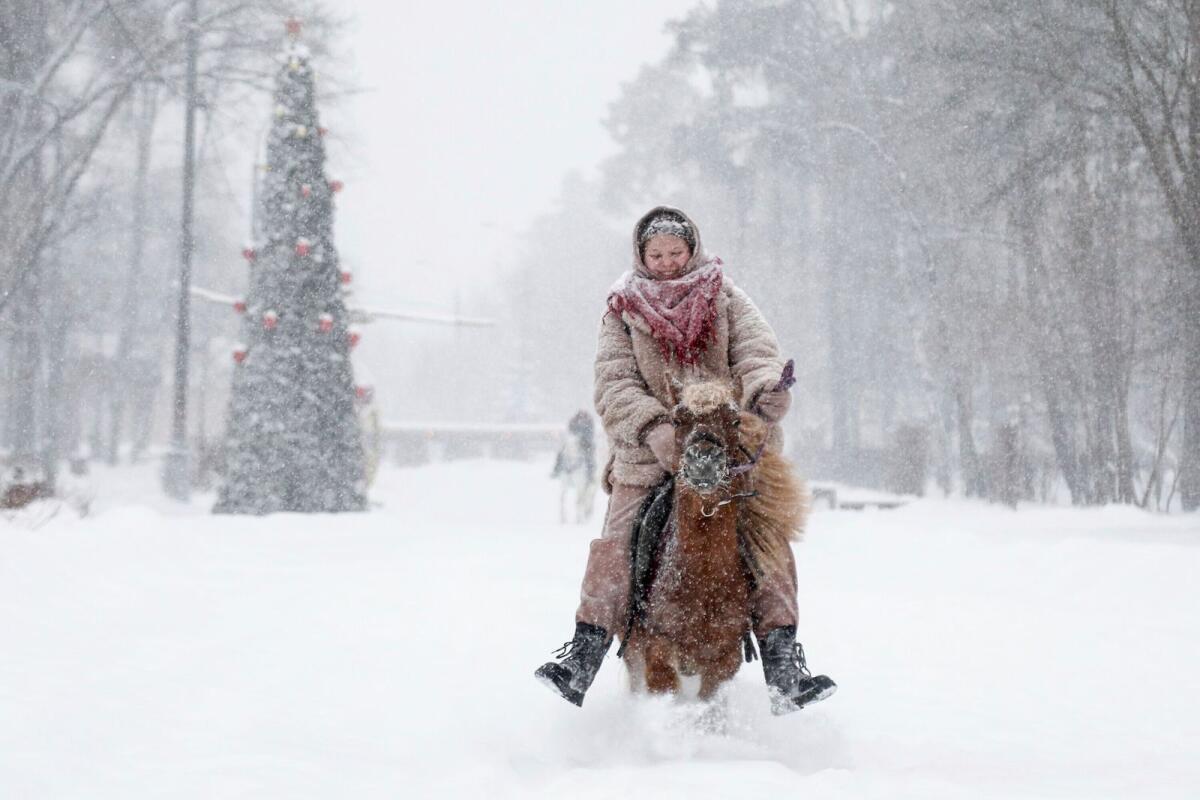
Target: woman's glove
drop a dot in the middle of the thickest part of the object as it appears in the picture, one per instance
(661, 441)
(771, 406)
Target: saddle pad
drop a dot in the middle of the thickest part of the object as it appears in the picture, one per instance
(648, 528)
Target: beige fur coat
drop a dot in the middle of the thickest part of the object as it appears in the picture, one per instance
(632, 376)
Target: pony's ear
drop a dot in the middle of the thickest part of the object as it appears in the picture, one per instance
(674, 391)
(739, 390)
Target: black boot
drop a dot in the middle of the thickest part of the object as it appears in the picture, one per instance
(789, 683)
(580, 661)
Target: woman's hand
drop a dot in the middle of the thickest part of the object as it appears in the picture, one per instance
(661, 441)
(771, 406)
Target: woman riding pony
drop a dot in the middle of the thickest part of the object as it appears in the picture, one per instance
(675, 317)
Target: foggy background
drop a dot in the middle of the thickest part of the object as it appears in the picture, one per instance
(972, 224)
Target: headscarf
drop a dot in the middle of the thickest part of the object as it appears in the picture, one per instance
(681, 313)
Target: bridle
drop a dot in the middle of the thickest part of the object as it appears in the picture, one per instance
(786, 380)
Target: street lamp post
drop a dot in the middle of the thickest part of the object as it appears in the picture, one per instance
(176, 468)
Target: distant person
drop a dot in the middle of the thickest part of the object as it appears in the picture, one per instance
(675, 315)
(575, 467)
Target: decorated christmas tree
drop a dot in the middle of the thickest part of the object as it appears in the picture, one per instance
(292, 438)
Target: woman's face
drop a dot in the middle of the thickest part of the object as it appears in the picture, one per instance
(665, 256)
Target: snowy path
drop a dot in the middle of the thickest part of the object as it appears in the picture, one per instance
(981, 654)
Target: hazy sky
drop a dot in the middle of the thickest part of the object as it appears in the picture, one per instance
(475, 112)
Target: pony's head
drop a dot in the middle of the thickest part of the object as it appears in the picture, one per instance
(706, 418)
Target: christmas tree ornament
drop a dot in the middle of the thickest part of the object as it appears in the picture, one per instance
(364, 394)
(239, 354)
(306, 191)
(280, 112)
(345, 277)
(353, 337)
(249, 253)
(300, 131)
(303, 247)
(239, 306)
(270, 320)
(322, 132)
(325, 323)
(294, 27)
(336, 186)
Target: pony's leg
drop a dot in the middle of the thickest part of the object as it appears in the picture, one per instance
(714, 674)
(661, 677)
(588, 499)
(581, 510)
(635, 668)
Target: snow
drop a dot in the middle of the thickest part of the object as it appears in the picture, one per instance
(153, 650)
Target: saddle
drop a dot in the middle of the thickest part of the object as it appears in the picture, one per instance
(653, 520)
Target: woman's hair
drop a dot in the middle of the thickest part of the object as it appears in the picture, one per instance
(671, 223)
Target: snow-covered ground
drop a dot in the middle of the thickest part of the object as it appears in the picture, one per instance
(150, 650)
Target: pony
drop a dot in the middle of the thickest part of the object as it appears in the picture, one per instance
(735, 505)
(575, 468)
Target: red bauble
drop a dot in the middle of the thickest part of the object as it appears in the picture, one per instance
(294, 26)
(249, 253)
(239, 355)
(239, 306)
(306, 191)
(322, 132)
(303, 247)
(270, 320)
(353, 338)
(345, 276)
(336, 186)
(363, 394)
(325, 324)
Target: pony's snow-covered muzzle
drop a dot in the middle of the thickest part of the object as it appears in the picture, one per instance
(704, 464)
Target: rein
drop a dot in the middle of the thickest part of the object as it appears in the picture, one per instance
(741, 469)
(725, 502)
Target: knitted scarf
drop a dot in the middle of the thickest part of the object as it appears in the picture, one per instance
(681, 313)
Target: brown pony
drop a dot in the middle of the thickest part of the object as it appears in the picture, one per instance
(698, 609)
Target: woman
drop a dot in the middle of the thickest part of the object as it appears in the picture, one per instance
(675, 316)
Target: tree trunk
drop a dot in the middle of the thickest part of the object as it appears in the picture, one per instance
(55, 328)
(1189, 458)
(1027, 208)
(1125, 490)
(22, 416)
(839, 368)
(122, 378)
(974, 484)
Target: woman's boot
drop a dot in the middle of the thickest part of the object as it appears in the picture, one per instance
(789, 683)
(579, 662)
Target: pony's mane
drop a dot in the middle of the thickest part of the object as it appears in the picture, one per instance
(705, 396)
(776, 514)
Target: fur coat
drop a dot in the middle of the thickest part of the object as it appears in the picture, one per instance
(633, 376)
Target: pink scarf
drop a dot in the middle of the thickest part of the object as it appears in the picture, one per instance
(681, 313)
